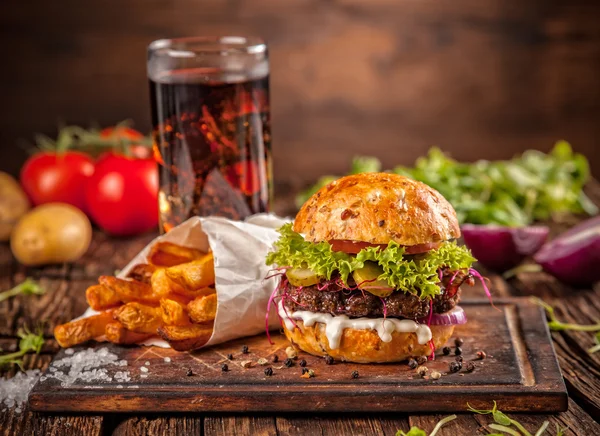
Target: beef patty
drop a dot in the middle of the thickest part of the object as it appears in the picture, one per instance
(355, 303)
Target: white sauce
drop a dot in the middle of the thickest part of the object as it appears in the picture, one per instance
(335, 325)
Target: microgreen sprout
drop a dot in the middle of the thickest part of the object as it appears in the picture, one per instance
(504, 423)
(557, 325)
(416, 431)
(27, 287)
(28, 342)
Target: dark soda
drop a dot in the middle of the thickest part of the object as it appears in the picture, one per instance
(212, 141)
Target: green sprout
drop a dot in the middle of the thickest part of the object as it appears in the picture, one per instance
(416, 431)
(29, 342)
(27, 287)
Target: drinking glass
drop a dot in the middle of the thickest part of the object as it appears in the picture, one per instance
(211, 127)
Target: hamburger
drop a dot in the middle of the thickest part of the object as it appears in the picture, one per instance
(370, 272)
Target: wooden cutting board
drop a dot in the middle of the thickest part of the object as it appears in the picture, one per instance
(520, 372)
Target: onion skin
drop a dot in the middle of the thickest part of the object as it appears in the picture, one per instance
(501, 248)
(574, 260)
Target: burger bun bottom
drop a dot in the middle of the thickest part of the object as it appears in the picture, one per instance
(365, 346)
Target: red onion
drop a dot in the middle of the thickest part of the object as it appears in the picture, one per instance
(501, 248)
(453, 317)
(574, 256)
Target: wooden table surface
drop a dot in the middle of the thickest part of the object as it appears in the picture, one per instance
(65, 299)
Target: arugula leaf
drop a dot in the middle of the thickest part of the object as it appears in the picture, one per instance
(27, 287)
(415, 275)
(516, 192)
(503, 423)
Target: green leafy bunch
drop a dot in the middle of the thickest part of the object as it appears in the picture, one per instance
(412, 274)
(531, 187)
(28, 342)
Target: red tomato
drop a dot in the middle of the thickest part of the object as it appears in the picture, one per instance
(137, 150)
(57, 177)
(353, 247)
(122, 195)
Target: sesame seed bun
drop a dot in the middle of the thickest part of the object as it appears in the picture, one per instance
(377, 208)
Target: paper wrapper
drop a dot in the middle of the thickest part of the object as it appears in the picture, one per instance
(239, 250)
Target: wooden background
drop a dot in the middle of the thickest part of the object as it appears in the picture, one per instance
(480, 78)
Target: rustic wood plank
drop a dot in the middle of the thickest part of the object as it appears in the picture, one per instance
(239, 425)
(328, 426)
(521, 370)
(159, 426)
(390, 425)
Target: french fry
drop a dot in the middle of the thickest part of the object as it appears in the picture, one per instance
(163, 285)
(130, 290)
(100, 297)
(203, 309)
(169, 254)
(82, 330)
(142, 272)
(193, 275)
(185, 338)
(139, 318)
(116, 333)
(173, 312)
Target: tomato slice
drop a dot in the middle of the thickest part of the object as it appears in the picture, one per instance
(353, 247)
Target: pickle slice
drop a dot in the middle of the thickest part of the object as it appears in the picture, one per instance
(366, 279)
(302, 277)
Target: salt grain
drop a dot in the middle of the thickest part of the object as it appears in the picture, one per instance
(167, 359)
(143, 375)
(14, 391)
(144, 369)
(147, 363)
(89, 366)
(69, 351)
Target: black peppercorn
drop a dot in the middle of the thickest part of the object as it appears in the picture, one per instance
(302, 363)
(354, 374)
(458, 342)
(269, 371)
(458, 351)
(446, 351)
(470, 367)
(224, 367)
(304, 370)
(412, 364)
(230, 356)
(245, 349)
(275, 358)
(329, 360)
(459, 359)
(288, 362)
(421, 360)
(189, 372)
(455, 366)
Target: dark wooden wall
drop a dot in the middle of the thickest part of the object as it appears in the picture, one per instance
(480, 78)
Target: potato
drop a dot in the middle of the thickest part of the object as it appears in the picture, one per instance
(117, 334)
(185, 338)
(13, 204)
(51, 233)
(139, 318)
(100, 297)
(169, 254)
(203, 309)
(82, 330)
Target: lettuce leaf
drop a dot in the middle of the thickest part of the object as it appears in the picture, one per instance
(412, 274)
